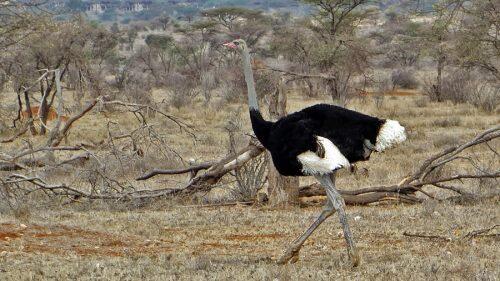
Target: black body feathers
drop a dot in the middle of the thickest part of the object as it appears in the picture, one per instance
(296, 133)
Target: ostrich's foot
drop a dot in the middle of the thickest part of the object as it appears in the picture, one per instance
(354, 258)
(291, 255)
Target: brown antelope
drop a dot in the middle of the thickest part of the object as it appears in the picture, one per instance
(51, 115)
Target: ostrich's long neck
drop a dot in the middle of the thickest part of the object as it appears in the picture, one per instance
(248, 72)
(260, 126)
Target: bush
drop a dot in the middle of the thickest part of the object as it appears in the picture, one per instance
(422, 102)
(429, 88)
(3, 81)
(452, 121)
(250, 178)
(134, 86)
(404, 78)
(183, 90)
(208, 83)
(445, 140)
(234, 86)
(485, 96)
(231, 93)
(462, 86)
(456, 86)
(266, 83)
(382, 87)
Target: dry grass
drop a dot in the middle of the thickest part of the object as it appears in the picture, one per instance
(236, 243)
(166, 241)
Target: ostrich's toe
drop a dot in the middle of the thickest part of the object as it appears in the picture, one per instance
(290, 255)
(295, 258)
(355, 259)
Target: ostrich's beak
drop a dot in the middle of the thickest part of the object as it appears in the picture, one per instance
(230, 45)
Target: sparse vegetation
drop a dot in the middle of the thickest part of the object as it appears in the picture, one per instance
(153, 89)
(404, 78)
(452, 121)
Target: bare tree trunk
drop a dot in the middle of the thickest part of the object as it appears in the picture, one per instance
(440, 65)
(282, 190)
(19, 109)
(311, 92)
(439, 80)
(78, 93)
(30, 115)
(55, 132)
(44, 105)
(334, 91)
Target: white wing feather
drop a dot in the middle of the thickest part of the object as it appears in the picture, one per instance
(312, 164)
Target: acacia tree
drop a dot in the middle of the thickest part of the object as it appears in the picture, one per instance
(230, 16)
(399, 40)
(158, 57)
(337, 50)
(463, 34)
(463, 41)
(437, 42)
(477, 42)
(247, 24)
(131, 36)
(295, 43)
(198, 54)
(164, 22)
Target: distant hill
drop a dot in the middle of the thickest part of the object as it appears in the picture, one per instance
(126, 10)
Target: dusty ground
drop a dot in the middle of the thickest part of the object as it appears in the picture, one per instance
(240, 243)
(175, 242)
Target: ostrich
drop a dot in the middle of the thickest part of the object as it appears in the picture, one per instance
(317, 141)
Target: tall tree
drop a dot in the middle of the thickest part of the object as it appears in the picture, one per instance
(478, 36)
(282, 190)
(250, 25)
(338, 50)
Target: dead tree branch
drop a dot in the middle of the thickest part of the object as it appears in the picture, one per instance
(468, 236)
(14, 137)
(403, 192)
(301, 75)
(480, 232)
(427, 236)
(58, 137)
(214, 171)
(136, 107)
(196, 168)
(446, 155)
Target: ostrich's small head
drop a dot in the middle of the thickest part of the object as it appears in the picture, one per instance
(237, 44)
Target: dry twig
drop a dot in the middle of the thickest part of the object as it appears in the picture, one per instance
(427, 236)
(480, 232)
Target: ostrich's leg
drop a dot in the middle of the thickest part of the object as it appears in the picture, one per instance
(328, 181)
(294, 248)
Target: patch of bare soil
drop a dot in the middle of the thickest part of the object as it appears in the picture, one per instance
(240, 237)
(64, 240)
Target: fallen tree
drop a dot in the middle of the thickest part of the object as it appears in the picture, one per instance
(205, 176)
(405, 191)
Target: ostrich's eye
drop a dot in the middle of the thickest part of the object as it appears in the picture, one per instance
(236, 43)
